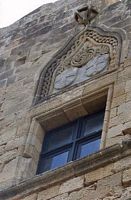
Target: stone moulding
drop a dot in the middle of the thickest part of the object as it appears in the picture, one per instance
(79, 50)
(74, 169)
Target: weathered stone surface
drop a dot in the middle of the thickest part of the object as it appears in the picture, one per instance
(98, 174)
(109, 185)
(49, 193)
(9, 155)
(73, 184)
(87, 192)
(127, 177)
(61, 197)
(31, 197)
(25, 49)
(122, 164)
(14, 144)
(7, 135)
(115, 131)
(8, 171)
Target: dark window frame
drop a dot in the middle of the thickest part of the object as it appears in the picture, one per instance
(78, 139)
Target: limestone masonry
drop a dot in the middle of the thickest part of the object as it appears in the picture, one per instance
(53, 71)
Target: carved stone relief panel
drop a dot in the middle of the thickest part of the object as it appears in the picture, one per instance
(74, 75)
(90, 53)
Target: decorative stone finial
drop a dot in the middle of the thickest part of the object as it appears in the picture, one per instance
(85, 15)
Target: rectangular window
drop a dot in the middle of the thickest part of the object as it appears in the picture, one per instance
(70, 142)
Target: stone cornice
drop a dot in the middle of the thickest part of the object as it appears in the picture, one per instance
(73, 169)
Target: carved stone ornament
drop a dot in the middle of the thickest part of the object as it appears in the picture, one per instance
(85, 15)
(89, 54)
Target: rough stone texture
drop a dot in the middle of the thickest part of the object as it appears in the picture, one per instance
(49, 193)
(127, 176)
(25, 48)
(73, 184)
(98, 174)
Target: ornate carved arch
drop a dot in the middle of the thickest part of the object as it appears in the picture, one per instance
(92, 52)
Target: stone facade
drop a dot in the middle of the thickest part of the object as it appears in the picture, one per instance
(26, 48)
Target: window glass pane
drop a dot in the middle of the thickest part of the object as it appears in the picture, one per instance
(53, 162)
(89, 148)
(44, 165)
(92, 123)
(58, 138)
(59, 160)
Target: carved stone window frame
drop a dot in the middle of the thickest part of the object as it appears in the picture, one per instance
(60, 108)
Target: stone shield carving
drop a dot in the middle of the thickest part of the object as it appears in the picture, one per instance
(89, 54)
(73, 75)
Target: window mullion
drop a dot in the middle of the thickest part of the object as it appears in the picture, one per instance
(76, 132)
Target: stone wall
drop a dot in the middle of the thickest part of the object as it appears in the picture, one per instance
(25, 48)
(106, 178)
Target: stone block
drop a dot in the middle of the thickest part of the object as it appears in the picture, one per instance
(61, 197)
(30, 197)
(11, 80)
(21, 50)
(3, 83)
(126, 180)
(6, 74)
(8, 171)
(2, 149)
(122, 164)
(128, 96)
(111, 184)
(49, 193)
(73, 184)
(98, 174)
(128, 86)
(126, 195)
(124, 111)
(20, 61)
(13, 144)
(115, 121)
(7, 135)
(119, 89)
(117, 101)
(115, 131)
(9, 155)
(114, 140)
(113, 112)
(84, 194)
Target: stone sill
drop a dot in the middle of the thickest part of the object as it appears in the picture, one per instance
(71, 170)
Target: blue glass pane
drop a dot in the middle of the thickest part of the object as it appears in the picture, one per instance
(53, 162)
(59, 160)
(93, 123)
(44, 165)
(58, 137)
(89, 148)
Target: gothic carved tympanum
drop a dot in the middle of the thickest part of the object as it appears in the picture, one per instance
(88, 55)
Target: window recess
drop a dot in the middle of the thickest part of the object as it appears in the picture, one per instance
(70, 142)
